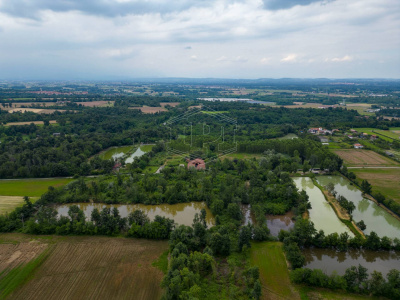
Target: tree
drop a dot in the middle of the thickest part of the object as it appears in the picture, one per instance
(366, 187)
(244, 237)
(361, 225)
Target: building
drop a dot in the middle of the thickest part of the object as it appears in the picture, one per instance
(197, 163)
(319, 130)
(358, 146)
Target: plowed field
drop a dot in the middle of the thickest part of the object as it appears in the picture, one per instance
(96, 268)
(364, 158)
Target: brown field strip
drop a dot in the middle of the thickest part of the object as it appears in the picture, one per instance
(97, 268)
(364, 158)
(35, 110)
(28, 123)
(96, 103)
(172, 104)
(149, 110)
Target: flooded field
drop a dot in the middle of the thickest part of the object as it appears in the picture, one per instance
(182, 213)
(321, 214)
(116, 152)
(375, 217)
(277, 222)
(329, 260)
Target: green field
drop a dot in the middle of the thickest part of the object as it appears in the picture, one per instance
(241, 155)
(146, 148)
(386, 135)
(385, 181)
(274, 274)
(30, 187)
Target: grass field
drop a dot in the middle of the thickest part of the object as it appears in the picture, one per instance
(274, 274)
(28, 123)
(385, 181)
(364, 158)
(30, 187)
(100, 103)
(241, 155)
(82, 267)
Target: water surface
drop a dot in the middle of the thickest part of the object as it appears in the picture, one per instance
(277, 222)
(329, 260)
(375, 217)
(137, 153)
(321, 214)
(182, 213)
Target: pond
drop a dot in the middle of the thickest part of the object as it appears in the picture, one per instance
(329, 260)
(116, 152)
(321, 214)
(277, 222)
(374, 216)
(182, 213)
(137, 153)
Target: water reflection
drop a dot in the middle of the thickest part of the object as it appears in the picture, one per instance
(182, 213)
(330, 260)
(277, 222)
(137, 153)
(321, 214)
(375, 217)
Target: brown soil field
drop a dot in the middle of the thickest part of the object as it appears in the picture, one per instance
(27, 123)
(97, 103)
(364, 158)
(172, 104)
(97, 268)
(149, 110)
(28, 104)
(13, 253)
(9, 203)
(35, 110)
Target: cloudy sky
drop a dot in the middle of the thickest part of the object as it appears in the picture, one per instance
(122, 39)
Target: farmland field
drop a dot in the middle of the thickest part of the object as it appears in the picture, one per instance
(30, 187)
(9, 203)
(385, 181)
(97, 103)
(364, 158)
(149, 110)
(28, 123)
(90, 268)
(386, 135)
(274, 274)
(172, 104)
(35, 110)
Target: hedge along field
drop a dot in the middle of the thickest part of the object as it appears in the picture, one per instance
(30, 187)
(97, 268)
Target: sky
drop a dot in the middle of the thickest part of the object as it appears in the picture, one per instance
(127, 39)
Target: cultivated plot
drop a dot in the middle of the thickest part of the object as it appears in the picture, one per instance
(364, 158)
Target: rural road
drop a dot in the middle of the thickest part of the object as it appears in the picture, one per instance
(373, 167)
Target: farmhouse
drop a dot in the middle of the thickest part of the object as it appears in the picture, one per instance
(319, 130)
(197, 163)
(358, 146)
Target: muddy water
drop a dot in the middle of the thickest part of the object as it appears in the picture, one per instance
(321, 214)
(246, 212)
(182, 213)
(330, 260)
(137, 153)
(278, 222)
(375, 217)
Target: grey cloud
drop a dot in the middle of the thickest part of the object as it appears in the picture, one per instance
(285, 4)
(32, 8)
